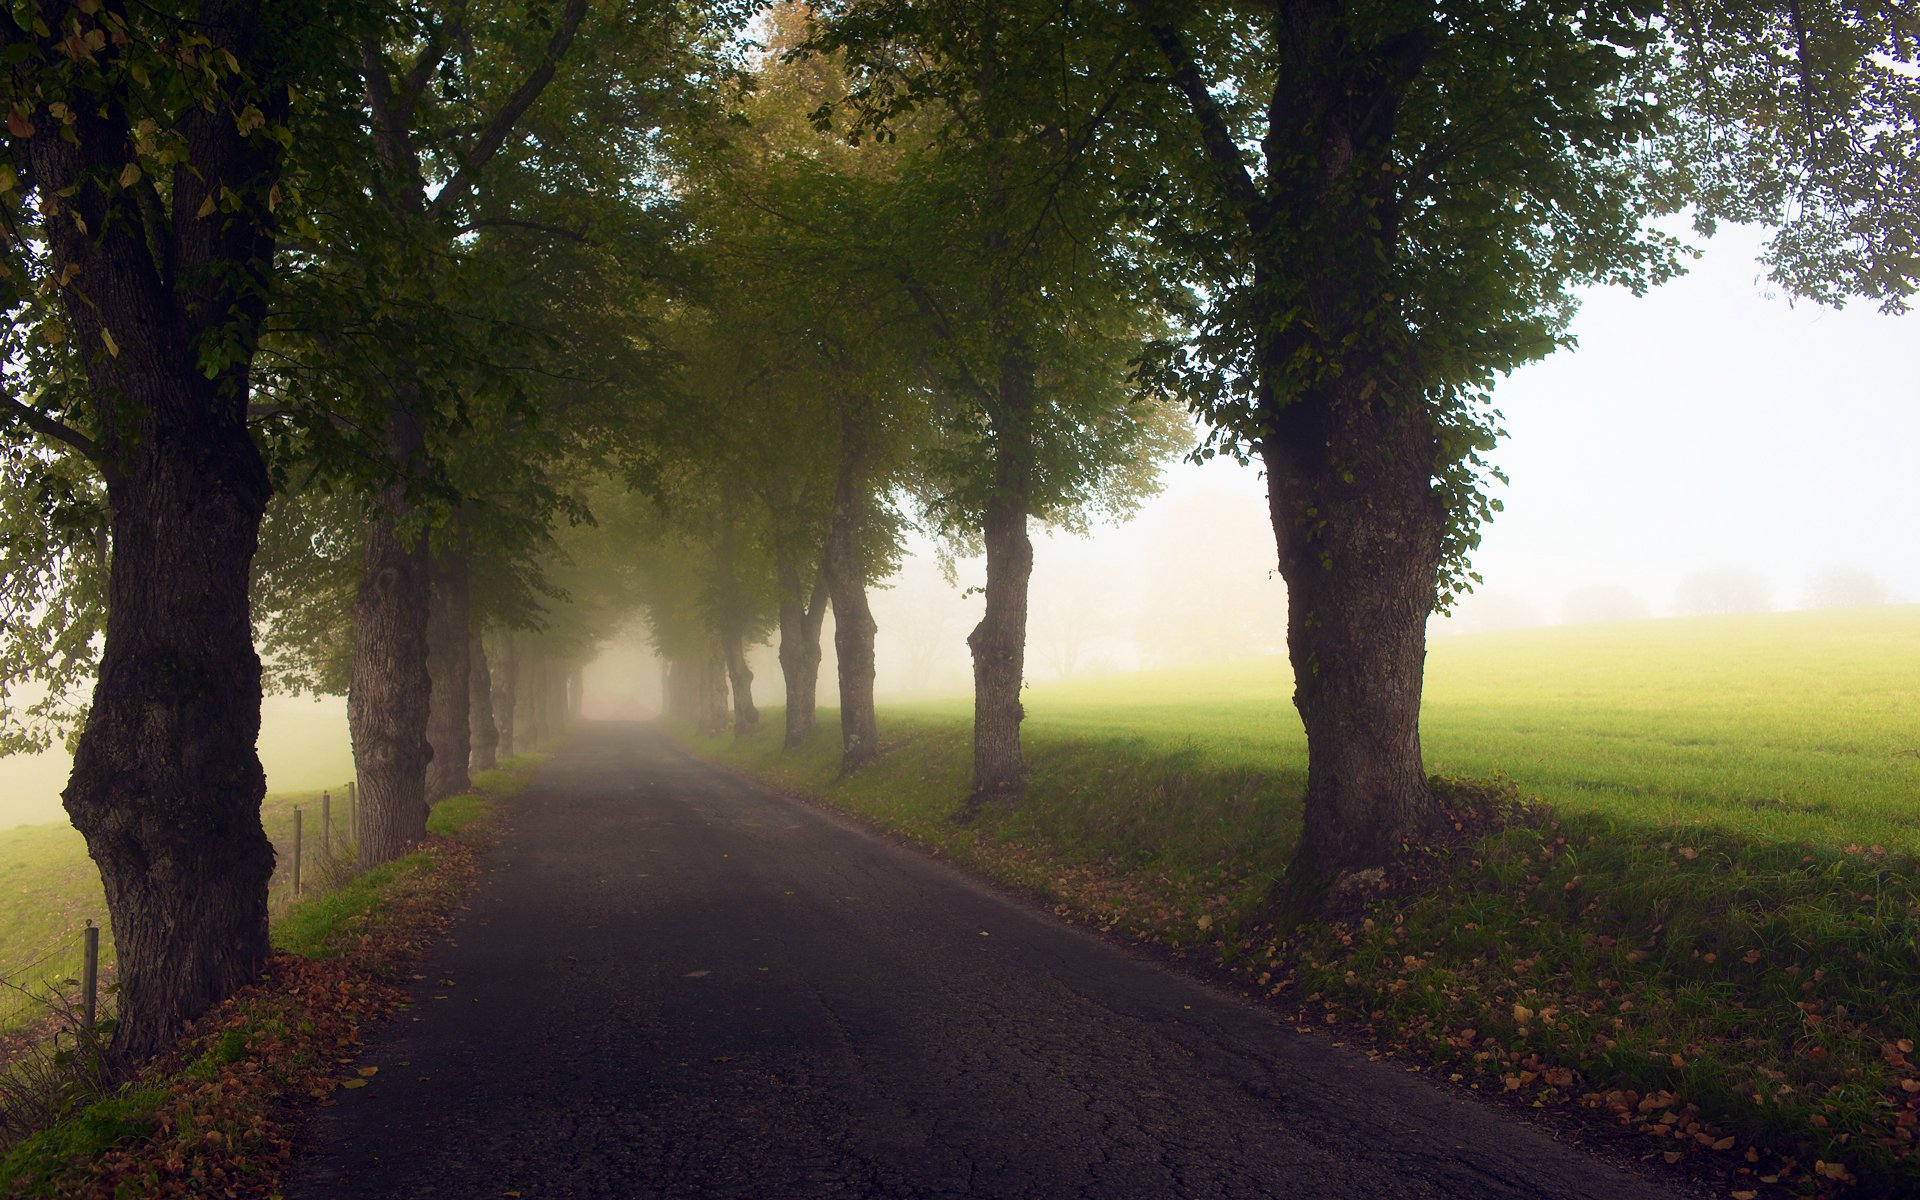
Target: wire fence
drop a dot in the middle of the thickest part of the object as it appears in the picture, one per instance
(314, 853)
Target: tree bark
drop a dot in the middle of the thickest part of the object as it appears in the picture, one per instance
(801, 617)
(449, 636)
(854, 629)
(576, 691)
(746, 718)
(718, 711)
(999, 641)
(390, 690)
(482, 735)
(166, 785)
(505, 685)
(1360, 531)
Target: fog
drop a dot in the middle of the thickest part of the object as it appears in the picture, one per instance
(1707, 448)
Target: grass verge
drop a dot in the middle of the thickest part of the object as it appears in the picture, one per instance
(1738, 1006)
(213, 1117)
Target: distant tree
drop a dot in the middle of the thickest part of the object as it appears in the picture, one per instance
(1603, 602)
(1845, 587)
(1032, 288)
(1722, 590)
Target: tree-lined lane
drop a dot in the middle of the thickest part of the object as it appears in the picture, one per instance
(673, 983)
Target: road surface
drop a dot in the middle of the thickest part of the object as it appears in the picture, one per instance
(673, 983)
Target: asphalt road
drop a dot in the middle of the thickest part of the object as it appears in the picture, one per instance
(676, 984)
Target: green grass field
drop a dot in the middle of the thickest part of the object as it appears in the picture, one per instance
(1718, 918)
(1786, 726)
(49, 889)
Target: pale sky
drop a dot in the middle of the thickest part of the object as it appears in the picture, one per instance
(1705, 424)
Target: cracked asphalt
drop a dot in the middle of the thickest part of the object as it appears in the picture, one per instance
(673, 983)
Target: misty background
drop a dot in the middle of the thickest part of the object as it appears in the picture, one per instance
(1707, 448)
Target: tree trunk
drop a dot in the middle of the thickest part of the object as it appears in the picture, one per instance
(559, 696)
(999, 641)
(505, 685)
(482, 735)
(801, 616)
(576, 691)
(746, 718)
(854, 629)
(166, 785)
(390, 691)
(449, 636)
(718, 711)
(1359, 529)
(534, 692)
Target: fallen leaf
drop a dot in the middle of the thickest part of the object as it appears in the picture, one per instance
(701, 974)
(353, 1083)
(369, 1072)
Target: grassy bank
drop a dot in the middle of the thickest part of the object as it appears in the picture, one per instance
(213, 1117)
(1706, 935)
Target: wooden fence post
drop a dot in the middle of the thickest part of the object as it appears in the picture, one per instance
(326, 825)
(89, 975)
(296, 849)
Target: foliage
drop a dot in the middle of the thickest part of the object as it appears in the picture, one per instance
(1803, 115)
(1000, 228)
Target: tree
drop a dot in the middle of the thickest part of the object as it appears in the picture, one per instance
(1019, 261)
(142, 185)
(1386, 206)
(1844, 587)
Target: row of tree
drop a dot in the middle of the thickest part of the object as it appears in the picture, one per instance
(334, 326)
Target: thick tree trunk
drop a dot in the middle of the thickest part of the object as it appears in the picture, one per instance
(505, 686)
(746, 718)
(718, 711)
(999, 641)
(166, 786)
(390, 691)
(801, 616)
(1359, 529)
(482, 735)
(854, 629)
(449, 637)
(166, 783)
(999, 644)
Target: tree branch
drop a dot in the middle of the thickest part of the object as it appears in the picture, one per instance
(1222, 151)
(559, 231)
(389, 129)
(54, 429)
(494, 134)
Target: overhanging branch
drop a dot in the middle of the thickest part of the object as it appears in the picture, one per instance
(53, 429)
(494, 134)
